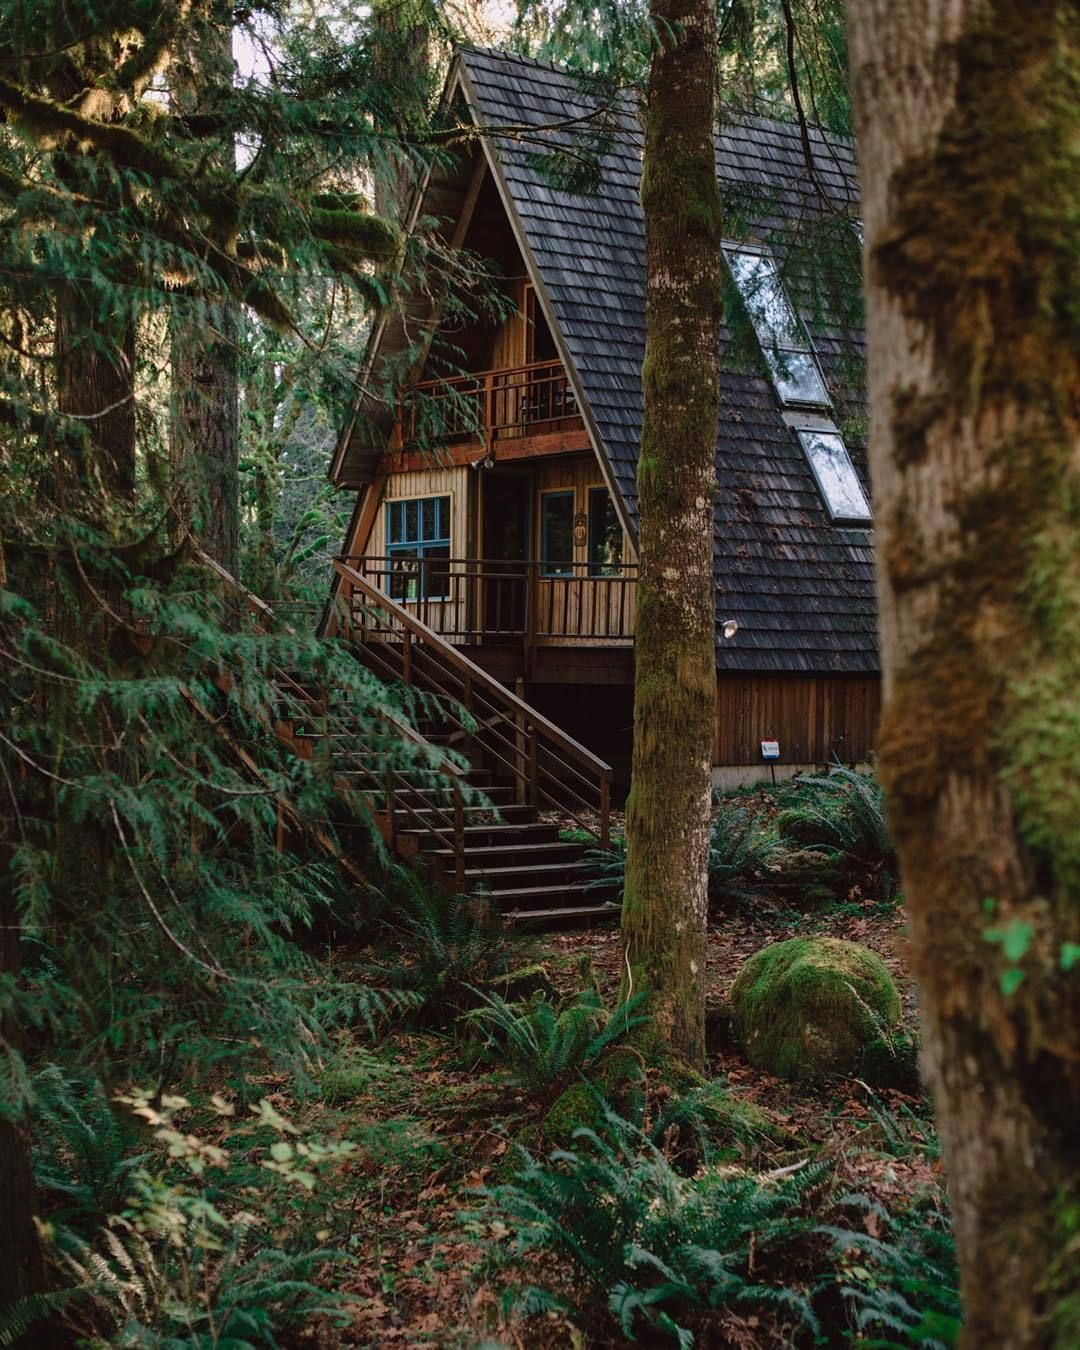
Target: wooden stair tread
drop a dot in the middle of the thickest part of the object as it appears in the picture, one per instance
(600, 911)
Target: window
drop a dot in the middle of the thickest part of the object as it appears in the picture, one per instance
(605, 535)
(784, 342)
(836, 477)
(557, 534)
(418, 543)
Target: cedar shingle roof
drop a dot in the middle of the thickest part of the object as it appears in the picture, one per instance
(801, 588)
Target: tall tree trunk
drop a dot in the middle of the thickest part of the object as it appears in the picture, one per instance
(95, 363)
(403, 74)
(665, 911)
(968, 117)
(204, 424)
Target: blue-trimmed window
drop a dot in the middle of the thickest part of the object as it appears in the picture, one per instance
(557, 534)
(418, 545)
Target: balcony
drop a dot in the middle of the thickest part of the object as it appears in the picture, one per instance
(487, 407)
(476, 601)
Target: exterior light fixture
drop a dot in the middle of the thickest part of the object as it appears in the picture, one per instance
(731, 627)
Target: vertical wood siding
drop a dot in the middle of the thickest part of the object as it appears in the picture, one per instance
(813, 717)
(579, 604)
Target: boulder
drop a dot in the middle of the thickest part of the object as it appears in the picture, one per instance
(815, 1006)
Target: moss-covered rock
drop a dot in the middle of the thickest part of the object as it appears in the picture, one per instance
(815, 1006)
(616, 1079)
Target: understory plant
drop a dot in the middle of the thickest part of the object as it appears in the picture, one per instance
(545, 1045)
(446, 945)
(841, 817)
(744, 849)
(654, 1252)
(216, 1241)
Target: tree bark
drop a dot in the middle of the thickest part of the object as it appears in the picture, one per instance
(665, 909)
(204, 425)
(968, 117)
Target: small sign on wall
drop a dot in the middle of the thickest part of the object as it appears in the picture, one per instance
(770, 749)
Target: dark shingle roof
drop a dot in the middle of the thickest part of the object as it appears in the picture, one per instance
(801, 589)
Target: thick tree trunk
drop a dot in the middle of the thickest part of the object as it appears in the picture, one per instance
(969, 137)
(95, 363)
(204, 425)
(664, 922)
(403, 74)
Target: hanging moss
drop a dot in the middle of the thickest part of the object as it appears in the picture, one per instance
(810, 1007)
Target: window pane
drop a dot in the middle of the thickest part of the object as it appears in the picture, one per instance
(557, 533)
(436, 567)
(393, 522)
(796, 377)
(412, 522)
(404, 575)
(605, 534)
(429, 518)
(836, 477)
(783, 339)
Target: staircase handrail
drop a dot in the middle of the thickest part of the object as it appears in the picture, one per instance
(601, 770)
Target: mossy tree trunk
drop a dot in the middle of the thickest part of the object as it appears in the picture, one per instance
(204, 426)
(969, 136)
(667, 819)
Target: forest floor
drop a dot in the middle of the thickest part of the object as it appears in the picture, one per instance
(418, 1271)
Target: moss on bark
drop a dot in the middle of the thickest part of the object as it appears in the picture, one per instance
(665, 904)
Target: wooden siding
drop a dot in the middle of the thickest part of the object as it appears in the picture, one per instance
(454, 482)
(813, 717)
(567, 605)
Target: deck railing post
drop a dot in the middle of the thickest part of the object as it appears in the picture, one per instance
(459, 839)
(406, 656)
(532, 600)
(605, 811)
(391, 828)
(534, 767)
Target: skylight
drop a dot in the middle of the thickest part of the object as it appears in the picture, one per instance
(836, 477)
(784, 343)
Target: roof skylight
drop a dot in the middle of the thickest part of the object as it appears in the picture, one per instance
(784, 341)
(836, 478)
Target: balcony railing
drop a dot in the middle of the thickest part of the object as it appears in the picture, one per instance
(478, 600)
(489, 406)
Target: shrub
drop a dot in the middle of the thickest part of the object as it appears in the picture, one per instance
(452, 943)
(814, 1006)
(196, 1257)
(545, 1046)
(902, 1286)
(743, 848)
(842, 816)
(647, 1246)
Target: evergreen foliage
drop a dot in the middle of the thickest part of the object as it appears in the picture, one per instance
(545, 1045)
(658, 1248)
(842, 816)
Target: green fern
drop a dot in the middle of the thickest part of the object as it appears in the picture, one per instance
(653, 1247)
(842, 815)
(543, 1045)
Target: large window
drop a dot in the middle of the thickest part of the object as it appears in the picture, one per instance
(784, 342)
(836, 478)
(418, 545)
(605, 535)
(557, 534)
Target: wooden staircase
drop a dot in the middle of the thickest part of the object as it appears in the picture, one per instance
(475, 795)
(493, 825)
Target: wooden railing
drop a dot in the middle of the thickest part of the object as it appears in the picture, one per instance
(477, 600)
(365, 775)
(548, 768)
(487, 406)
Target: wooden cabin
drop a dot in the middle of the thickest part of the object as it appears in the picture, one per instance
(495, 487)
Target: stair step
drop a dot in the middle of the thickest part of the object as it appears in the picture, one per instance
(530, 870)
(508, 814)
(516, 895)
(506, 853)
(528, 833)
(600, 911)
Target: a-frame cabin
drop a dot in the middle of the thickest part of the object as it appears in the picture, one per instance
(511, 535)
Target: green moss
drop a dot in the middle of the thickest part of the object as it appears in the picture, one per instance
(811, 1007)
(616, 1081)
(524, 983)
